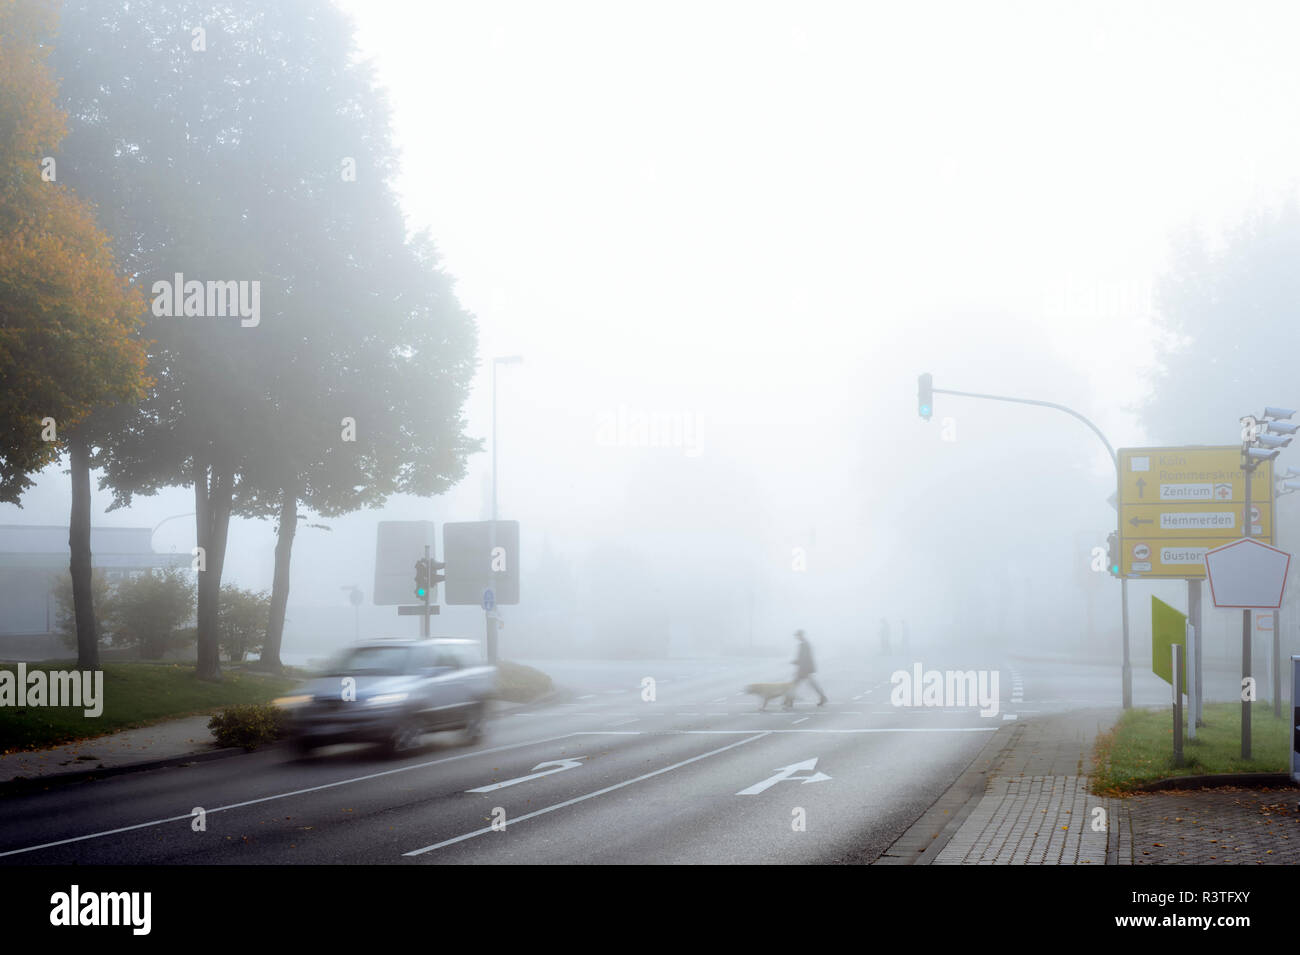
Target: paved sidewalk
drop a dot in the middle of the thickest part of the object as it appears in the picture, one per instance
(1036, 808)
(1032, 820)
(1224, 826)
(169, 740)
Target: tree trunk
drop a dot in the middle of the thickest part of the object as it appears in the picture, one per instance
(280, 583)
(213, 495)
(79, 542)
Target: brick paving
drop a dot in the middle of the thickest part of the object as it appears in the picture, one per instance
(1225, 826)
(1033, 820)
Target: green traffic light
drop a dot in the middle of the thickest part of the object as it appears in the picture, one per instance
(420, 592)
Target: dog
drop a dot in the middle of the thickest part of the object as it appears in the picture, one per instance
(768, 691)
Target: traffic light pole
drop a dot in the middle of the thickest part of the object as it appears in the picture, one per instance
(424, 617)
(1127, 667)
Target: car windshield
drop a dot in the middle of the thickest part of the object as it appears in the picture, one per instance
(371, 660)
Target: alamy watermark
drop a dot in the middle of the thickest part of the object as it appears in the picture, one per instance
(84, 688)
(627, 427)
(923, 687)
(179, 298)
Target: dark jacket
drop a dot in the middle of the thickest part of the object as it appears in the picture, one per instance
(804, 660)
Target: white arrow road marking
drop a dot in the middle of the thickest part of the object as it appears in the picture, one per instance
(560, 765)
(787, 773)
(570, 802)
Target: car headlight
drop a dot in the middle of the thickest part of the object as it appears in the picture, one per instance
(291, 700)
(386, 699)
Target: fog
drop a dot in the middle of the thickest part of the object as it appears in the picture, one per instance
(755, 226)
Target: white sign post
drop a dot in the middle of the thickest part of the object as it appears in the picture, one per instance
(1192, 698)
(1295, 718)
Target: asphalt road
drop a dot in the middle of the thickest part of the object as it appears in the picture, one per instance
(695, 776)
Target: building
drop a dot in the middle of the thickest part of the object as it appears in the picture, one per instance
(33, 557)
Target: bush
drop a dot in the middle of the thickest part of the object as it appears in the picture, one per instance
(248, 725)
(241, 624)
(517, 683)
(148, 610)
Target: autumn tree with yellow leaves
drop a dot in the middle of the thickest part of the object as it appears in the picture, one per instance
(68, 317)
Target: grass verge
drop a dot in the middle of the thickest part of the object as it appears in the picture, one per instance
(1140, 747)
(135, 694)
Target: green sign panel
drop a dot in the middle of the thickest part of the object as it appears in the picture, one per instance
(1168, 626)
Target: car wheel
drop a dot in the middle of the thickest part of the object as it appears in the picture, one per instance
(476, 724)
(406, 736)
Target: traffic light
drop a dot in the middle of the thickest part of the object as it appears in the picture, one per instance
(436, 577)
(925, 396)
(422, 577)
(1112, 553)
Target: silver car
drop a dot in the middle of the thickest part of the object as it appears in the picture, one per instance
(392, 692)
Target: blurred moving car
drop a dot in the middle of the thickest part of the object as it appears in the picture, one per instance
(392, 692)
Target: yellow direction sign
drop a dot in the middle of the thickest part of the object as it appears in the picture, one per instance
(1196, 520)
(1177, 503)
(1189, 475)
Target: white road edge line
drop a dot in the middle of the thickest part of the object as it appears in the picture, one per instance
(578, 799)
(296, 792)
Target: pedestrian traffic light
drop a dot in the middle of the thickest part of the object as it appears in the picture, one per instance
(422, 577)
(925, 396)
(1112, 553)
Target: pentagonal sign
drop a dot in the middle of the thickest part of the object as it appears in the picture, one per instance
(1247, 574)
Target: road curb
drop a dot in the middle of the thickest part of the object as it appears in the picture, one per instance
(19, 784)
(1215, 780)
(924, 839)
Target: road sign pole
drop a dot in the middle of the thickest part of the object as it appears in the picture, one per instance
(1277, 667)
(1194, 621)
(1177, 651)
(1193, 694)
(1127, 671)
(1246, 637)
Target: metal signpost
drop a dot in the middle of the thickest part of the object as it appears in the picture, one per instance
(1249, 575)
(1295, 718)
(482, 557)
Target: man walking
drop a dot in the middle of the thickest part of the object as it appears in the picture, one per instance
(804, 670)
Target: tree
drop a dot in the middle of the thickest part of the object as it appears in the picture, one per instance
(276, 140)
(68, 319)
(1227, 331)
(242, 624)
(148, 611)
(65, 613)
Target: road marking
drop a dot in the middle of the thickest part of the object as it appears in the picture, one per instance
(296, 792)
(787, 773)
(578, 799)
(721, 699)
(882, 729)
(800, 720)
(558, 766)
(1009, 716)
(589, 696)
(624, 722)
